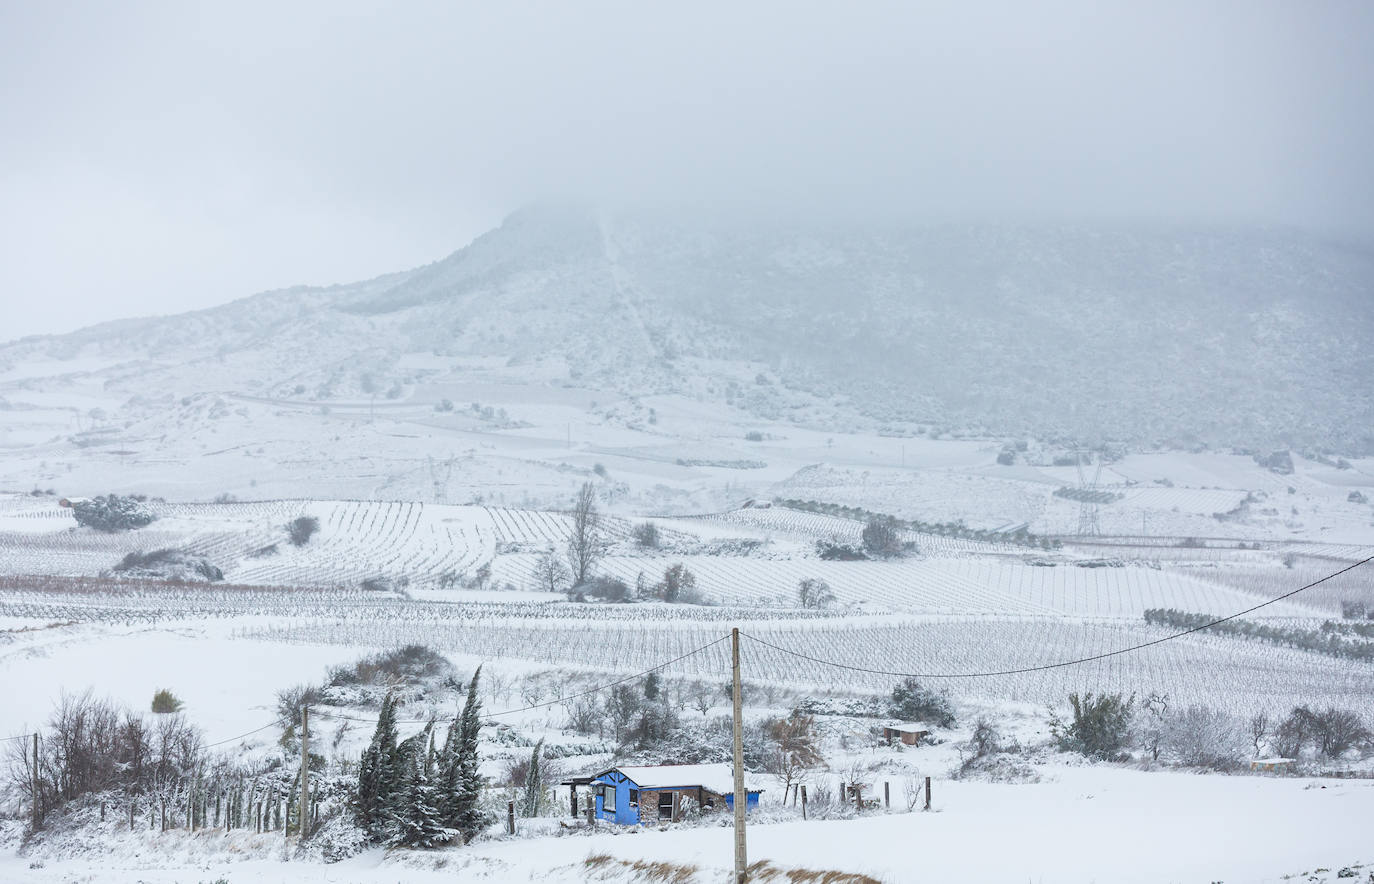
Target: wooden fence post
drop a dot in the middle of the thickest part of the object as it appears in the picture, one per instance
(510, 817)
(927, 793)
(131, 814)
(803, 791)
(887, 796)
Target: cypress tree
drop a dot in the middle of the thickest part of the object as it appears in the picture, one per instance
(534, 782)
(415, 814)
(462, 801)
(378, 772)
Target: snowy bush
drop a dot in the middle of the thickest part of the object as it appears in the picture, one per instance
(1200, 736)
(1100, 726)
(169, 564)
(112, 513)
(912, 701)
(301, 529)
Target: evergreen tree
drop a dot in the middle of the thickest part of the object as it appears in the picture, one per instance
(534, 782)
(462, 805)
(447, 777)
(379, 773)
(416, 816)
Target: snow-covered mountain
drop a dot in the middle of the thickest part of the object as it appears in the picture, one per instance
(1147, 335)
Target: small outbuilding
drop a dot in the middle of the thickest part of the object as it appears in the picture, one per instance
(632, 795)
(1272, 765)
(908, 734)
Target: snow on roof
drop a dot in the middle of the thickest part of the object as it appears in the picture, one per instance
(716, 777)
(1273, 761)
(910, 728)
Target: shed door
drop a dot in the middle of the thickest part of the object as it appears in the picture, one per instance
(665, 805)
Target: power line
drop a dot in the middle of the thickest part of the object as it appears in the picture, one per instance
(15, 737)
(249, 734)
(553, 702)
(1062, 664)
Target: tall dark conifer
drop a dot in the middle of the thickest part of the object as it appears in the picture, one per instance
(379, 774)
(462, 805)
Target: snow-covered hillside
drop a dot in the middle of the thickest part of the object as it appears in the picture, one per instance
(1142, 335)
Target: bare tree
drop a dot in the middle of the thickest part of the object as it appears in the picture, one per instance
(1204, 737)
(813, 592)
(1338, 730)
(912, 789)
(1153, 723)
(703, 699)
(585, 544)
(551, 573)
(797, 747)
(498, 685)
(1259, 730)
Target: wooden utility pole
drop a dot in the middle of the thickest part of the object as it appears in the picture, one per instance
(37, 814)
(741, 796)
(927, 793)
(305, 772)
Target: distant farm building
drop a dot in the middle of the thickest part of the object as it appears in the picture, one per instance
(907, 734)
(1272, 765)
(665, 793)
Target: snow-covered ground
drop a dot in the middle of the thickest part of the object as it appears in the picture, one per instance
(1081, 825)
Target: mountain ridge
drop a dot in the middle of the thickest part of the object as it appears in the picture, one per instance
(1147, 335)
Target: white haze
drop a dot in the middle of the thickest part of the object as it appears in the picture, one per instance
(161, 157)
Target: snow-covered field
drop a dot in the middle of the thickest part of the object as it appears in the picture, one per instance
(444, 552)
(1080, 826)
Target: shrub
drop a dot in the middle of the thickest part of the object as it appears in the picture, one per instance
(986, 740)
(112, 513)
(646, 535)
(880, 537)
(1204, 737)
(290, 700)
(678, 585)
(165, 702)
(301, 529)
(608, 589)
(836, 551)
(169, 564)
(912, 701)
(814, 593)
(405, 665)
(753, 436)
(1100, 728)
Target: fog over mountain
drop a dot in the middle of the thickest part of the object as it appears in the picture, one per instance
(1147, 335)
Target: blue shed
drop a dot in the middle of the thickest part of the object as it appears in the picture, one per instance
(663, 793)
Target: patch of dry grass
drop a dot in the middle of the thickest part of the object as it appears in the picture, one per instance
(660, 872)
(763, 870)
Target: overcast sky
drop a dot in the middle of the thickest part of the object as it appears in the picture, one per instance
(161, 157)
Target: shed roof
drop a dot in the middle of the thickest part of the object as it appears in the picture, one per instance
(717, 777)
(910, 728)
